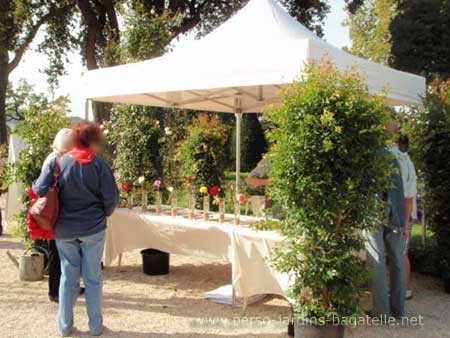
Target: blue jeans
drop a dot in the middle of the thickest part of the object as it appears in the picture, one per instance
(381, 242)
(81, 256)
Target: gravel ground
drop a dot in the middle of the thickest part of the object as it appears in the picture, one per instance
(140, 306)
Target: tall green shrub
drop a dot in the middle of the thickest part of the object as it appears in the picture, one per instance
(328, 169)
(202, 154)
(135, 134)
(38, 128)
(432, 134)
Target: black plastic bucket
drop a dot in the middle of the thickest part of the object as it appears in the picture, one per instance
(155, 262)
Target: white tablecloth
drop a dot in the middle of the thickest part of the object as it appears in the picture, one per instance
(249, 251)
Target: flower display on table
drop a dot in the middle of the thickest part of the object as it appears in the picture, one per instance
(240, 199)
(192, 199)
(158, 197)
(204, 191)
(144, 192)
(126, 188)
(173, 201)
(219, 201)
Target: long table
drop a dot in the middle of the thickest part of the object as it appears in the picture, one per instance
(249, 251)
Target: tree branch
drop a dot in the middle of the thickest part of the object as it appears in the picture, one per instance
(19, 53)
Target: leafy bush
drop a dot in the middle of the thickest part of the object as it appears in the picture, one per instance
(202, 154)
(328, 169)
(432, 133)
(135, 134)
(38, 129)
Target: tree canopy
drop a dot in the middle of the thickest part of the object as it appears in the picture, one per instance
(421, 39)
(409, 35)
(369, 27)
(20, 21)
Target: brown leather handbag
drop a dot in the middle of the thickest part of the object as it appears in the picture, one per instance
(45, 210)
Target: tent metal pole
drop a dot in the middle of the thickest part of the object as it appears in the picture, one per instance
(238, 114)
(86, 109)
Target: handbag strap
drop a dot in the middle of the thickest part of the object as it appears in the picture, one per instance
(56, 172)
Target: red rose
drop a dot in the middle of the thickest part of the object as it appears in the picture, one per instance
(190, 180)
(214, 191)
(126, 187)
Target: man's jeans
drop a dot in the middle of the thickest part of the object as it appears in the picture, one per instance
(81, 256)
(384, 241)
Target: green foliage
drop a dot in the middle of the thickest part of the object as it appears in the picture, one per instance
(432, 133)
(370, 30)
(421, 39)
(410, 35)
(267, 225)
(202, 154)
(148, 33)
(135, 134)
(20, 97)
(37, 129)
(328, 169)
(20, 21)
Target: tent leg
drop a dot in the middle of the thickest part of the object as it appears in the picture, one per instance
(86, 110)
(238, 151)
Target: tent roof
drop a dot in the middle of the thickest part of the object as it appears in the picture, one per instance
(242, 64)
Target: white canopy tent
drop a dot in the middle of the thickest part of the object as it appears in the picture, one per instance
(240, 68)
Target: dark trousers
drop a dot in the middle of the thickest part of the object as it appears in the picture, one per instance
(54, 269)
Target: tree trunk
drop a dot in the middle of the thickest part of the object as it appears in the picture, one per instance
(4, 75)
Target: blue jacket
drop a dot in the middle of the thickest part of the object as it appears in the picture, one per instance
(88, 194)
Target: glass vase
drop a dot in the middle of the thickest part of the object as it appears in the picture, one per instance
(206, 207)
(158, 199)
(144, 201)
(237, 212)
(192, 205)
(174, 203)
(221, 210)
(130, 200)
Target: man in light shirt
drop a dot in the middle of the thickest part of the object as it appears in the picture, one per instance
(409, 177)
(388, 297)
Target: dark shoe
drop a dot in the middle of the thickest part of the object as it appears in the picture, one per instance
(82, 291)
(54, 299)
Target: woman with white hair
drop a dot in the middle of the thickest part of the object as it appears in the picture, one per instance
(62, 144)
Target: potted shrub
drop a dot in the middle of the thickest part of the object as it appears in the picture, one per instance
(328, 168)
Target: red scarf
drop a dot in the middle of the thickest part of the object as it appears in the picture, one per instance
(82, 155)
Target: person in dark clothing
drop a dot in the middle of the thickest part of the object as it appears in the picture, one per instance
(88, 195)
